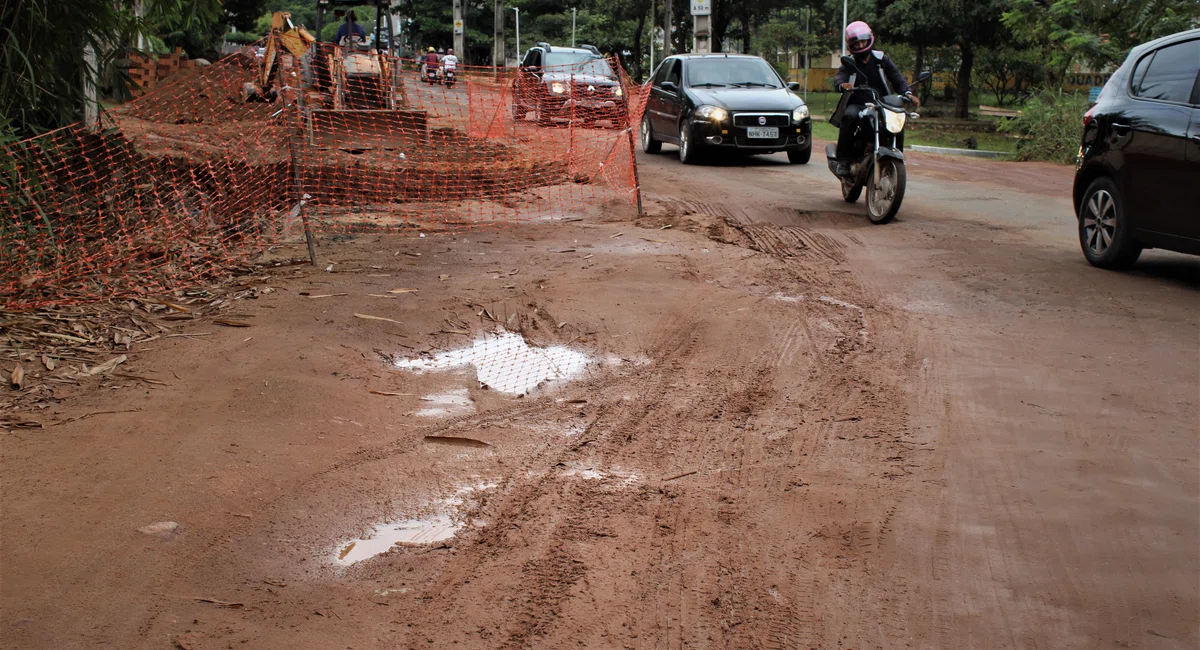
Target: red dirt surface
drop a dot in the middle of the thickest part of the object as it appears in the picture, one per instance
(801, 432)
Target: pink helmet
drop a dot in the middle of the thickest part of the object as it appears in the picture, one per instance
(859, 38)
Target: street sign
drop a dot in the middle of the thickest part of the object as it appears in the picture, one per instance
(1094, 93)
(458, 27)
(701, 7)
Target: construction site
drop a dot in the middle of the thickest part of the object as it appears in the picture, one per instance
(302, 351)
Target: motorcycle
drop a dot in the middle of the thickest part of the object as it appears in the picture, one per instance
(432, 74)
(880, 169)
(449, 77)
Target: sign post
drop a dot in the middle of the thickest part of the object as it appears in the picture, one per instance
(701, 26)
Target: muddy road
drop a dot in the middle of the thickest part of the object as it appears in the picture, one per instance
(750, 419)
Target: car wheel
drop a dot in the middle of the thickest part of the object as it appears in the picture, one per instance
(1104, 232)
(649, 144)
(689, 151)
(800, 156)
(543, 117)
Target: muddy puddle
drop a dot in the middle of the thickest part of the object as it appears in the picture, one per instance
(442, 521)
(504, 362)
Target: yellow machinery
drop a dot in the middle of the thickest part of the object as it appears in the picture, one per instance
(283, 35)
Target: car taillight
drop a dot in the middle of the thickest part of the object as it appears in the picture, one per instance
(1089, 116)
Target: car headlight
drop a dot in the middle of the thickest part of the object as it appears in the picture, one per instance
(894, 120)
(800, 114)
(558, 88)
(713, 113)
(619, 91)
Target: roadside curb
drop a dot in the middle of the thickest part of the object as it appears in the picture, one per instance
(974, 153)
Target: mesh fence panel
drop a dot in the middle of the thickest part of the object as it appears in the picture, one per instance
(191, 179)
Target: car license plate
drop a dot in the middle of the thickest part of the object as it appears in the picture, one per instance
(771, 132)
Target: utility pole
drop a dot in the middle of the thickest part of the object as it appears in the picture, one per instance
(668, 18)
(498, 36)
(573, 26)
(844, 23)
(459, 30)
(701, 26)
(518, 10)
(807, 33)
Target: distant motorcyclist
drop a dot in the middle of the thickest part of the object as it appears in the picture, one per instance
(872, 69)
(450, 61)
(429, 63)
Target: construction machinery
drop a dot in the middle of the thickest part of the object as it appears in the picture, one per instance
(351, 95)
(284, 36)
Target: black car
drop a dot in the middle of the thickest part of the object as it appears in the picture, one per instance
(568, 84)
(1137, 183)
(734, 103)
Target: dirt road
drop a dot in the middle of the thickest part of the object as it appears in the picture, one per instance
(773, 426)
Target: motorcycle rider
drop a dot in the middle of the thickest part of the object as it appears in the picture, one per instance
(873, 69)
(450, 61)
(431, 62)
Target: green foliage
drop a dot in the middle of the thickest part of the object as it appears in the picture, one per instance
(242, 38)
(1051, 125)
(1059, 31)
(1009, 73)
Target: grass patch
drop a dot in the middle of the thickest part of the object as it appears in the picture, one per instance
(987, 141)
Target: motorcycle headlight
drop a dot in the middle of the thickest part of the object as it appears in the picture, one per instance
(894, 121)
(800, 114)
(712, 113)
(558, 88)
(619, 91)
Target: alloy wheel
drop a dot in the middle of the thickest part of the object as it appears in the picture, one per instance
(1100, 222)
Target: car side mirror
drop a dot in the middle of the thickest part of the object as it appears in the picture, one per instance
(848, 61)
(669, 85)
(794, 86)
(924, 76)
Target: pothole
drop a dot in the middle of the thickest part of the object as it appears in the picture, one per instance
(443, 522)
(504, 362)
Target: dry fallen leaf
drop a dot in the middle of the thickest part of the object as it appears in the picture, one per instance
(405, 290)
(328, 295)
(382, 392)
(230, 323)
(107, 366)
(443, 278)
(48, 362)
(17, 378)
(370, 317)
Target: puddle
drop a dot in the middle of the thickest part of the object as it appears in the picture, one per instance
(504, 362)
(590, 473)
(455, 402)
(441, 525)
(780, 297)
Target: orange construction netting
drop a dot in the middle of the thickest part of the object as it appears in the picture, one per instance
(191, 180)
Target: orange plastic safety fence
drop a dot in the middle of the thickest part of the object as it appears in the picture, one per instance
(191, 179)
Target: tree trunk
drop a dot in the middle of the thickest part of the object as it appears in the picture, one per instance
(720, 24)
(919, 61)
(745, 27)
(962, 101)
(637, 45)
(668, 23)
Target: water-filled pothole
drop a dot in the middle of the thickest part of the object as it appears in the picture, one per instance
(504, 362)
(443, 522)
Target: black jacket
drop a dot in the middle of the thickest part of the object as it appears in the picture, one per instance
(878, 72)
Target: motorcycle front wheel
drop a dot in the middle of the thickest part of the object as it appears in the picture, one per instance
(884, 198)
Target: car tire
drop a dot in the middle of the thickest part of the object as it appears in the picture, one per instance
(543, 117)
(649, 144)
(800, 156)
(1104, 231)
(689, 149)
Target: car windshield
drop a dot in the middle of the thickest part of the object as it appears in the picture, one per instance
(740, 71)
(577, 63)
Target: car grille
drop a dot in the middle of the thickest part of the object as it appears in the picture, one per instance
(751, 119)
(592, 90)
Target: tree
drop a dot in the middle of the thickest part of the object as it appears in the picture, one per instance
(1010, 73)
